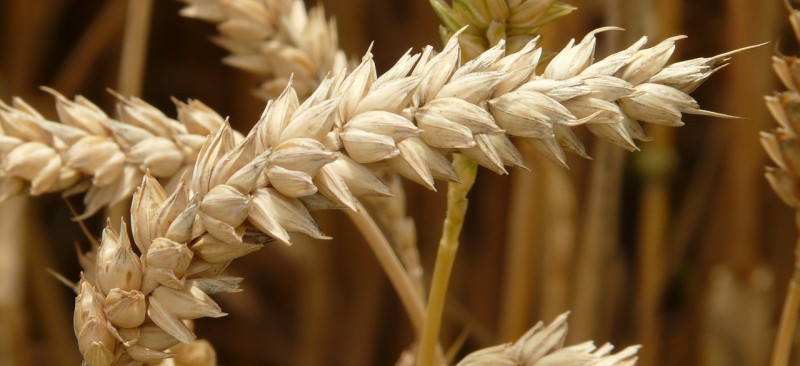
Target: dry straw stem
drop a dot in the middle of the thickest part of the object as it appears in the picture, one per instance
(600, 217)
(320, 154)
(390, 213)
(275, 39)
(544, 345)
(783, 147)
(12, 277)
(656, 166)
(134, 47)
(521, 247)
(406, 288)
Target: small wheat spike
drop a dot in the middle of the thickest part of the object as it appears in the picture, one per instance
(544, 345)
(275, 39)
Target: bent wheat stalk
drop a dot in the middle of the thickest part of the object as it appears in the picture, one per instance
(322, 154)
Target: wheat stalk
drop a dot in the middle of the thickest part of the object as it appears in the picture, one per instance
(390, 213)
(275, 39)
(319, 154)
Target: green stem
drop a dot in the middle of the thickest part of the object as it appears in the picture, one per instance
(448, 247)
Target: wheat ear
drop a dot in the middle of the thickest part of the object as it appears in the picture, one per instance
(318, 155)
(89, 151)
(275, 39)
(783, 147)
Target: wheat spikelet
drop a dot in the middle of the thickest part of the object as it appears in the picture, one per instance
(275, 39)
(89, 151)
(782, 143)
(544, 345)
(322, 154)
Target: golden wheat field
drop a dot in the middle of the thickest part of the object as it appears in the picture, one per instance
(399, 182)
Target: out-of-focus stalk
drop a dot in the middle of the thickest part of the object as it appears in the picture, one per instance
(655, 166)
(520, 254)
(558, 237)
(101, 34)
(134, 47)
(24, 26)
(13, 333)
(782, 348)
(599, 231)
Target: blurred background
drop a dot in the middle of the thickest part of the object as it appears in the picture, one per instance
(681, 247)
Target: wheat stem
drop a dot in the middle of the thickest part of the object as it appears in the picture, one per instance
(410, 298)
(390, 213)
(457, 203)
(560, 223)
(12, 278)
(134, 47)
(791, 307)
